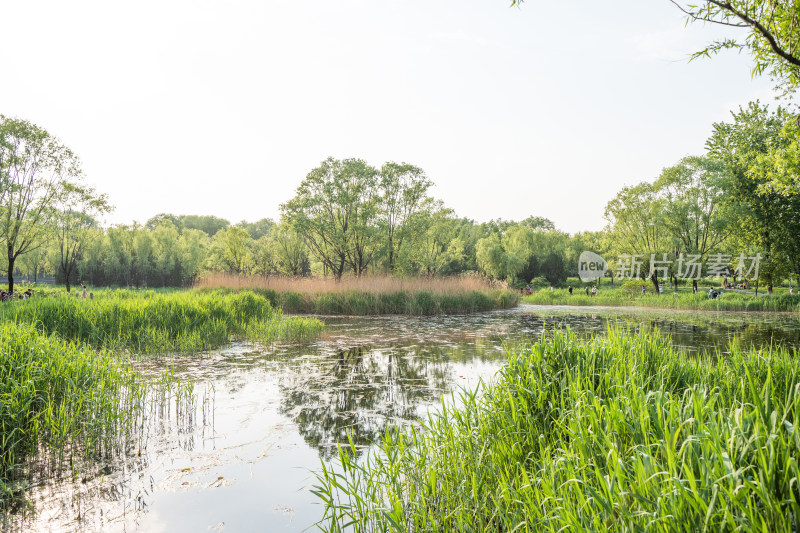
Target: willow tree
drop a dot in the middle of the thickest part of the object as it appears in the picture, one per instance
(36, 171)
(770, 31)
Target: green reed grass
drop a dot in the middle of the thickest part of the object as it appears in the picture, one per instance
(620, 433)
(730, 301)
(157, 322)
(59, 399)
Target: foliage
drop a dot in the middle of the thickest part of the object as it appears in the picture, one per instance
(621, 433)
(36, 172)
(60, 400)
(771, 29)
(767, 219)
(151, 322)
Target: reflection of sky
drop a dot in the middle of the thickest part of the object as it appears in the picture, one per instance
(239, 458)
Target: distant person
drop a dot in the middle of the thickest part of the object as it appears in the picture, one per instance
(694, 286)
(643, 289)
(551, 289)
(587, 290)
(791, 291)
(84, 292)
(594, 290)
(570, 290)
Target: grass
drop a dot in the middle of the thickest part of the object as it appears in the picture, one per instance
(684, 299)
(159, 322)
(620, 433)
(58, 400)
(372, 295)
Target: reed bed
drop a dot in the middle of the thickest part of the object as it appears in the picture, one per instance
(372, 295)
(619, 433)
(60, 401)
(729, 301)
(156, 322)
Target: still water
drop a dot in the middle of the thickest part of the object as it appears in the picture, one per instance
(241, 456)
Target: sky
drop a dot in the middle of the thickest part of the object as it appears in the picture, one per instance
(223, 107)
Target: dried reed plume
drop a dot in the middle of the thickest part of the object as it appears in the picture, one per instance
(371, 284)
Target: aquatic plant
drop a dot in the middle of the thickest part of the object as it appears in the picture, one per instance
(60, 401)
(619, 433)
(159, 322)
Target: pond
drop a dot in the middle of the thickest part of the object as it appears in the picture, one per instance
(241, 456)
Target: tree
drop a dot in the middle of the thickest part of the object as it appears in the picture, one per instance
(290, 251)
(35, 171)
(231, 251)
(693, 208)
(403, 193)
(772, 33)
(766, 218)
(259, 228)
(75, 216)
(334, 210)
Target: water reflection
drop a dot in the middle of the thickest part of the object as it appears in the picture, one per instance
(263, 416)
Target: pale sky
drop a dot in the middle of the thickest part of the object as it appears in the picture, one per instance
(222, 107)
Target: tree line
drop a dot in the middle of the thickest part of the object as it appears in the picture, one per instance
(348, 218)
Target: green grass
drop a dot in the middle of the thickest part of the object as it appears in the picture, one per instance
(421, 302)
(684, 299)
(620, 433)
(58, 399)
(159, 322)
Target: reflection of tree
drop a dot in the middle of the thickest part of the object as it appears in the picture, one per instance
(360, 392)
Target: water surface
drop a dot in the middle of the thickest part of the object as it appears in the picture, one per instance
(241, 456)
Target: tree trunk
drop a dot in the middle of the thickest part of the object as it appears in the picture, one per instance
(654, 279)
(11, 260)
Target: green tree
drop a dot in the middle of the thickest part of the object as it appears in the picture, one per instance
(334, 210)
(766, 218)
(290, 251)
(231, 251)
(35, 171)
(771, 33)
(74, 219)
(404, 191)
(693, 208)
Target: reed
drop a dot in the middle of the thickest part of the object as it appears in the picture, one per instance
(159, 322)
(59, 402)
(372, 295)
(620, 433)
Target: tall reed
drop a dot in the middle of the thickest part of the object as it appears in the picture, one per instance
(373, 295)
(153, 322)
(59, 400)
(621, 433)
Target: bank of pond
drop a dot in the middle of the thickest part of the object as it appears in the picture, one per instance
(611, 428)
(725, 300)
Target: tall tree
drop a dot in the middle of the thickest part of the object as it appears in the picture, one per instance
(333, 209)
(35, 171)
(767, 219)
(693, 209)
(76, 215)
(404, 191)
